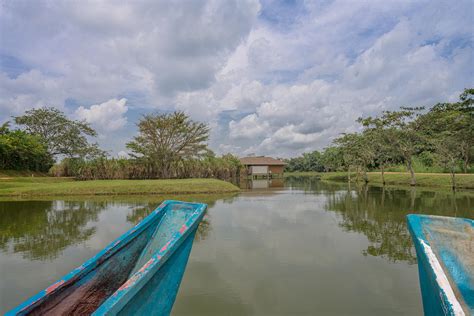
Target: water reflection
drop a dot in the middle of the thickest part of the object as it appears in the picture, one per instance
(380, 212)
(385, 228)
(43, 229)
(256, 184)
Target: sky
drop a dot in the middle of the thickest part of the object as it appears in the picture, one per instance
(272, 78)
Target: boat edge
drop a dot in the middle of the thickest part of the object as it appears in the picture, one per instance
(89, 264)
(117, 301)
(450, 302)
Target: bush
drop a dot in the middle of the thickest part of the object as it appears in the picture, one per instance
(22, 151)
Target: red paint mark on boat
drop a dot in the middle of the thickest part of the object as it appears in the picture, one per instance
(183, 228)
(136, 276)
(165, 247)
(129, 282)
(146, 265)
(54, 286)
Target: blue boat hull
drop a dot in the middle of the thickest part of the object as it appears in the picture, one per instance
(158, 295)
(445, 252)
(139, 273)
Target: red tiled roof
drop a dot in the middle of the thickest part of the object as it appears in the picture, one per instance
(261, 161)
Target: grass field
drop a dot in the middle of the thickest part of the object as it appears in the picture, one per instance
(442, 180)
(49, 186)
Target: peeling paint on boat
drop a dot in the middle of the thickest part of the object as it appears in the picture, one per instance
(165, 247)
(54, 286)
(444, 248)
(183, 229)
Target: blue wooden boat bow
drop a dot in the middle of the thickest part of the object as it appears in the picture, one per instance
(137, 274)
(445, 251)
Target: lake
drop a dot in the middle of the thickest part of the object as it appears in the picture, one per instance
(293, 246)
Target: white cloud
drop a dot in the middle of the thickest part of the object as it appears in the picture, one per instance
(249, 127)
(280, 85)
(314, 83)
(155, 48)
(107, 116)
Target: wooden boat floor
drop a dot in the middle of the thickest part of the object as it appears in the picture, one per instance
(453, 243)
(86, 295)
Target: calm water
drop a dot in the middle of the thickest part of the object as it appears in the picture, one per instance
(298, 247)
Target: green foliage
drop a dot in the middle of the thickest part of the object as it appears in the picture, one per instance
(332, 159)
(450, 128)
(61, 135)
(307, 162)
(22, 151)
(166, 139)
(226, 167)
(439, 140)
(357, 150)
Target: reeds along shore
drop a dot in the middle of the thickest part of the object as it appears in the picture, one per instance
(224, 168)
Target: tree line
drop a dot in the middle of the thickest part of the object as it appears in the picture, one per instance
(167, 146)
(442, 136)
(172, 145)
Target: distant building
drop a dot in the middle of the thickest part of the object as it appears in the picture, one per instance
(263, 166)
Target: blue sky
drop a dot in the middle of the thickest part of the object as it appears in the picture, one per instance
(269, 77)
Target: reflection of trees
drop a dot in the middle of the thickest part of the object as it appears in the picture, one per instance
(380, 214)
(312, 184)
(204, 228)
(139, 213)
(42, 229)
(382, 222)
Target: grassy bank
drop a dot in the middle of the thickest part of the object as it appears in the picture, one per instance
(21, 173)
(49, 186)
(441, 180)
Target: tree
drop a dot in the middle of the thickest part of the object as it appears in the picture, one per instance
(61, 135)
(450, 130)
(294, 164)
(5, 128)
(403, 131)
(357, 152)
(307, 162)
(466, 106)
(167, 138)
(22, 151)
(332, 159)
(383, 150)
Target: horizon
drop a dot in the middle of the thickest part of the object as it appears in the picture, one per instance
(270, 78)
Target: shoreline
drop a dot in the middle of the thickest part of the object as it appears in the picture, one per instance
(402, 179)
(49, 186)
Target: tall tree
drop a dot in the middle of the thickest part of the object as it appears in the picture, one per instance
(61, 135)
(357, 151)
(379, 139)
(332, 159)
(466, 106)
(165, 139)
(404, 132)
(450, 130)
